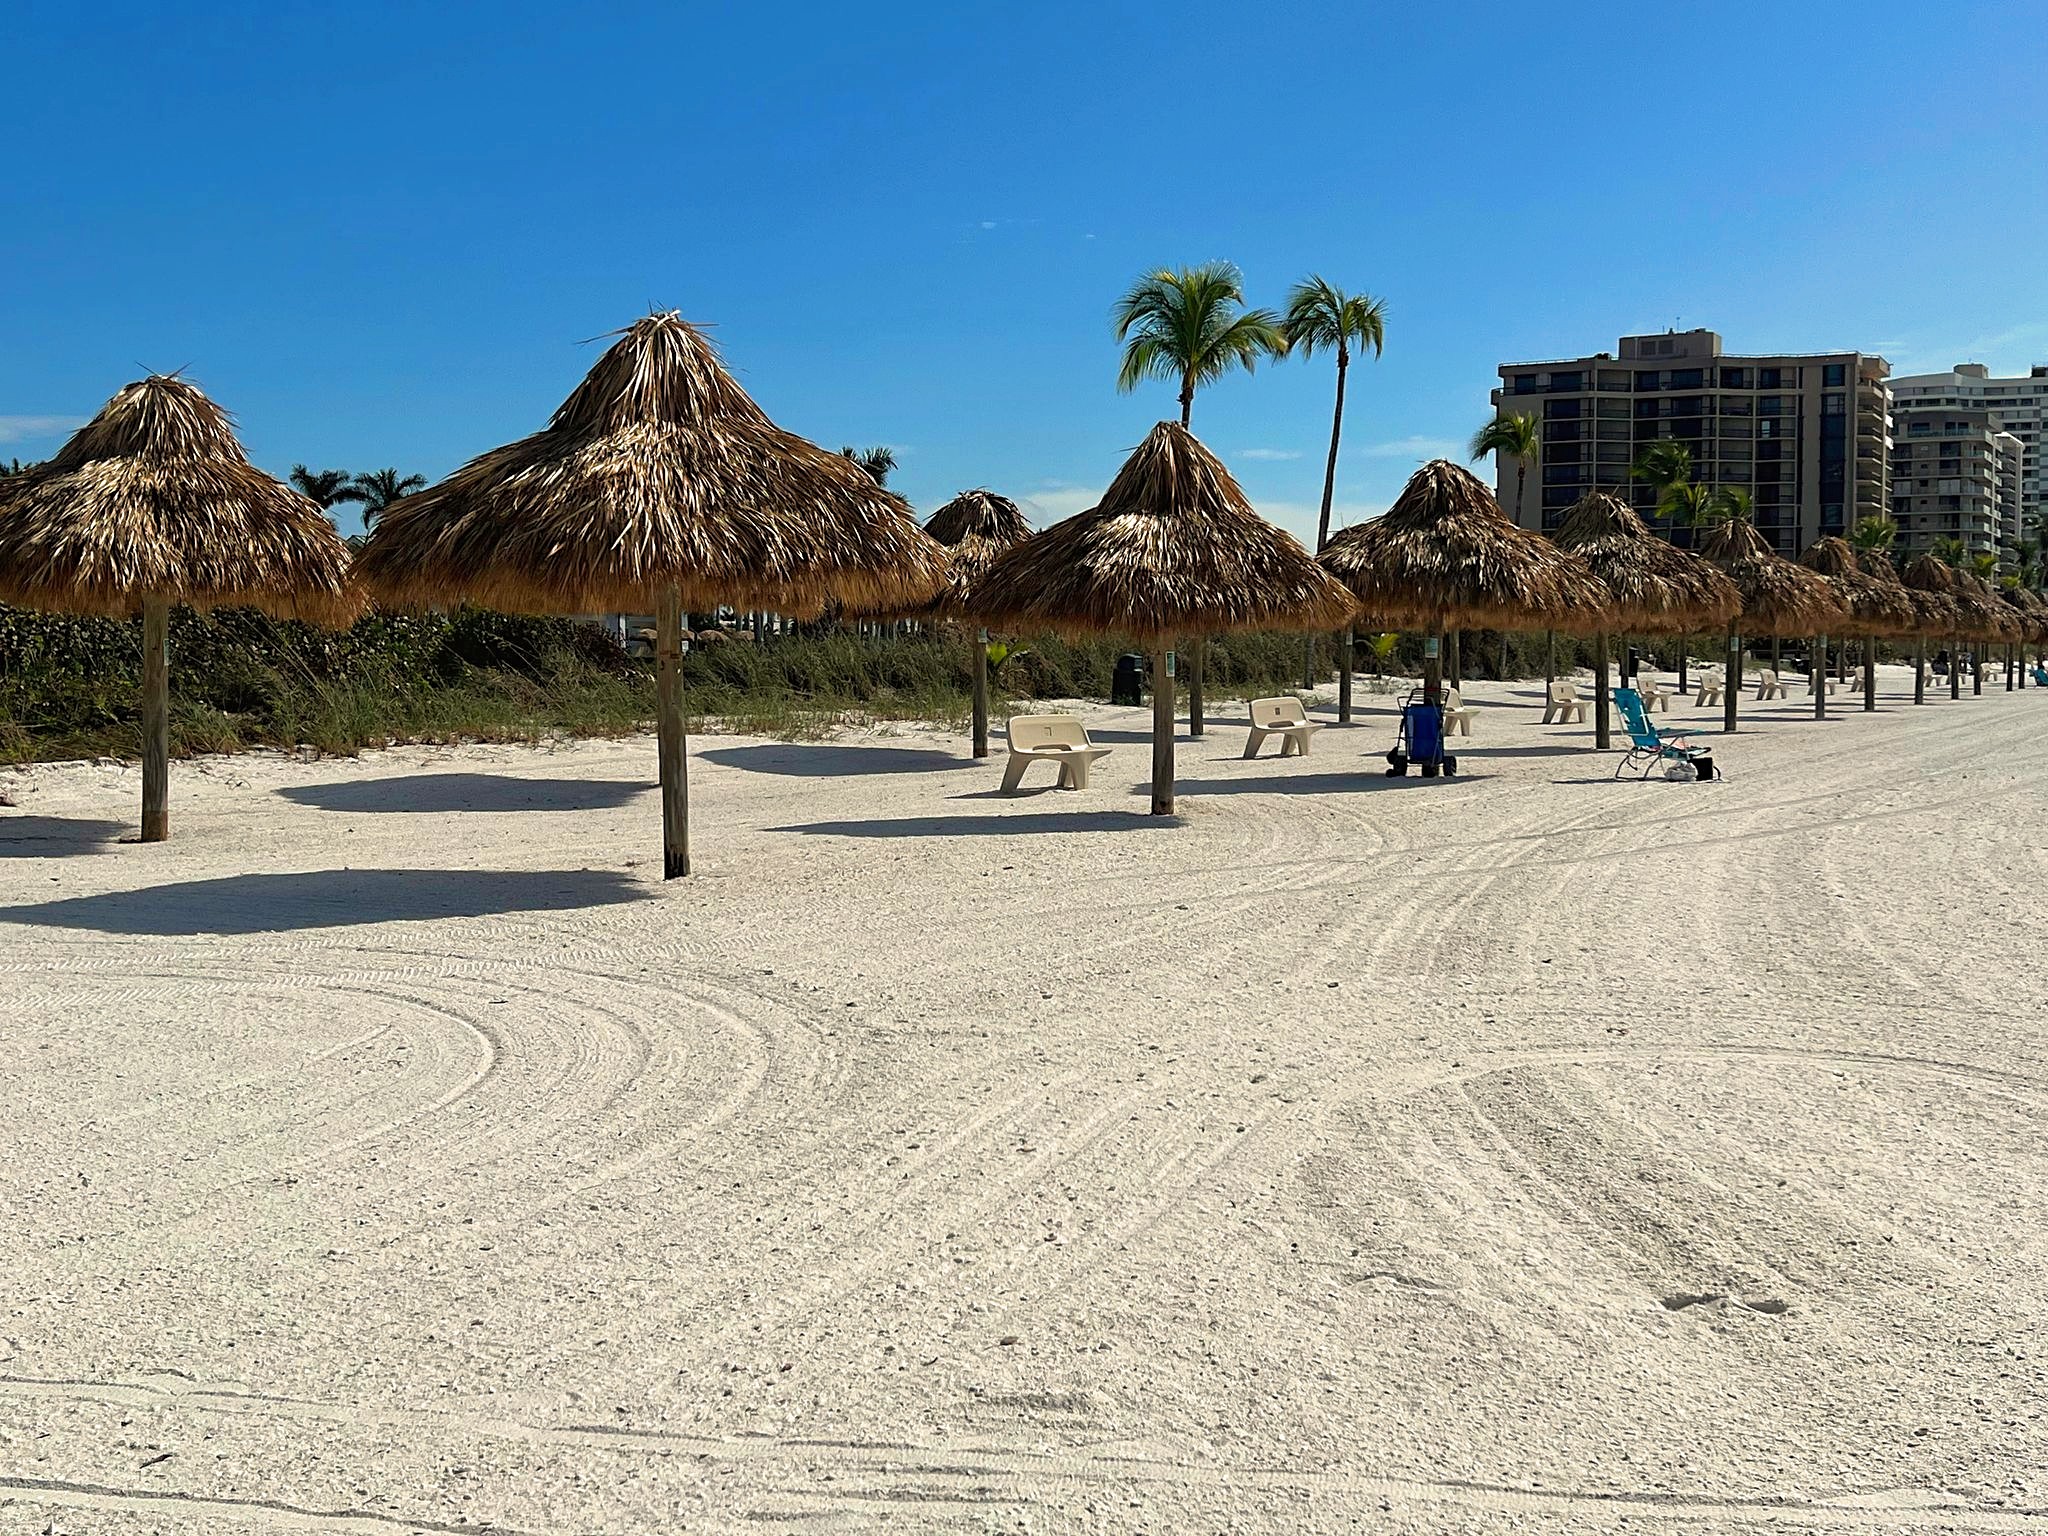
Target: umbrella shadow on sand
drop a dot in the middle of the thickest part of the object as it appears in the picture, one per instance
(1026, 823)
(1358, 781)
(56, 837)
(832, 762)
(327, 898)
(446, 793)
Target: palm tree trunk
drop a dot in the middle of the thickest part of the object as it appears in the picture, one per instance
(1162, 735)
(156, 718)
(1521, 478)
(1603, 724)
(1817, 673)
(1731, 682)
(1345, 657)
(1308, 665)
(671, 747)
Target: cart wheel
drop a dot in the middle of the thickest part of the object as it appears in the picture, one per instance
(1450, 767)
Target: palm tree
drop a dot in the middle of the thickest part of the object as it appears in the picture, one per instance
(1510, 436)
(1322, 317)
(1190, 324)
(878, 462)
(1662, 463)
(1872, 535)
(378, 489)
(1698, 506)
(1951, 552)
(325, 487)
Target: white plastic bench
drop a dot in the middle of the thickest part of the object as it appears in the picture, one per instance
(1060, 739)
(1768, 686)
(1564, 704)
(1457, 713)
(1285, 718)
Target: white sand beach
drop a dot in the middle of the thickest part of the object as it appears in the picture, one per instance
(392, 1151)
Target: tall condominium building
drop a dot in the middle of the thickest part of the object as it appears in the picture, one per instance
(1955, 474)
(1808, 436)
(2019, 406)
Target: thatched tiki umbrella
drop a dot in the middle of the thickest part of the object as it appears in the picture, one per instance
(1653, 587)
(1173, 549)
(1779, 597)
(657, 484)
(1445, 555)
(1903, 620)
(1987, 621)
(1873, 605)
(1931, 585)
(975, 526)
(151, 503)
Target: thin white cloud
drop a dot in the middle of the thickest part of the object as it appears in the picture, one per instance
(1416, 448)
(1274, 455)
(22, 429)
(1056, 501)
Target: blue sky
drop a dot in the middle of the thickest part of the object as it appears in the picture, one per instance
(380, 233)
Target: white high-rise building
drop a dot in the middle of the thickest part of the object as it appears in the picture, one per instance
(2018, 406)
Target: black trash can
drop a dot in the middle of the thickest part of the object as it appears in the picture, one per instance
(1127, 686)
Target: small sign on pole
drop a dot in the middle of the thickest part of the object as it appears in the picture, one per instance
(1429, 646)
(1170, 672)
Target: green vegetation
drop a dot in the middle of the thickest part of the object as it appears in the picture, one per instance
(68, 686)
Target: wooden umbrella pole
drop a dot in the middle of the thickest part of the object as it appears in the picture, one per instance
(156, 718)
(981, 693)
(1731, 682)
(1550, 659)
(671, 741)
(1162, 734)
(1869, 673)
(1603, 723)
(1451, 665)
(1817, 670)
(1346, 655)
(1919, 669)
(1195, 724)
(1955, 668)
(1977, 669)
(1433, 669)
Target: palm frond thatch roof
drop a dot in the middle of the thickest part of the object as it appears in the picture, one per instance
(1173, 548)
(2030, 609)
(1984, 616)
(1931, 585)
(1874, 606)
(1779, 597)
(975, 526)
(657, 471)
(1652, 586)
(1445, 556)
(154, 495)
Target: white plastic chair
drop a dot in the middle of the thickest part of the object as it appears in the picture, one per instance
(1457, 714)
(1564, 704)
(1282, 717)
(1060, 739)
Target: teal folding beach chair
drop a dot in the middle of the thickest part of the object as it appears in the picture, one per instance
(1648, 746)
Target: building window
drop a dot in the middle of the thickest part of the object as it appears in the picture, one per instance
(1832, 375)
(1735, 378)
(1525, 383)
(1831, 405)
(1565, 383)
